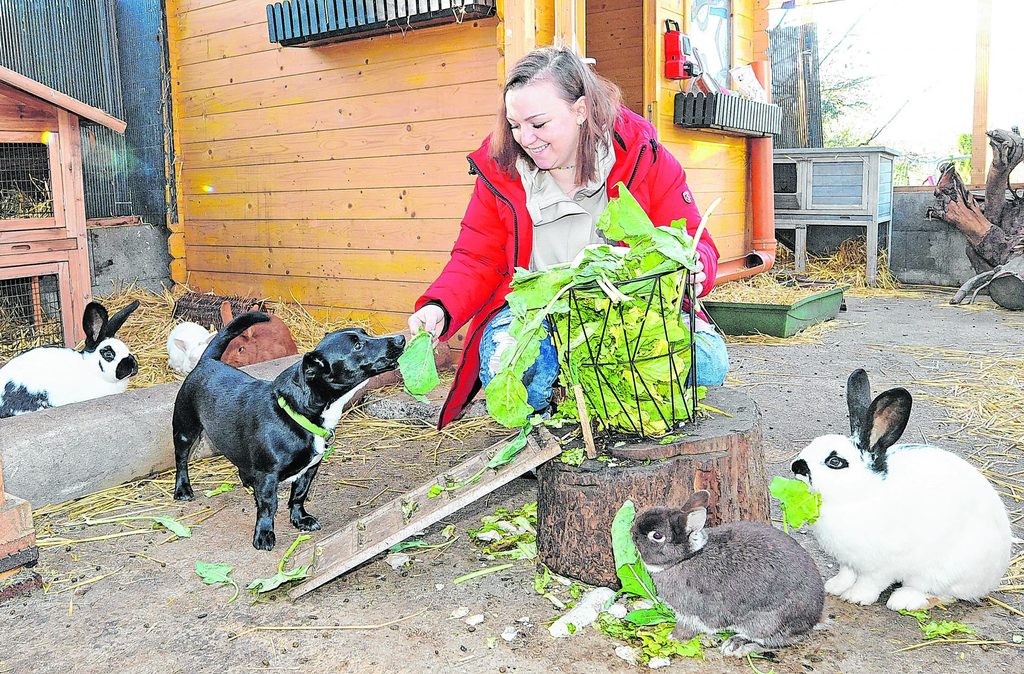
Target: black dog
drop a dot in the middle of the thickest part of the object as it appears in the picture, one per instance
(274, 432)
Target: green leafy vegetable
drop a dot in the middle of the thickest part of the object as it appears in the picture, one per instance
(653, 641)
(167, 522)
(419, 371)
(506, 399)
(213, 573)
(660, 613)
(799, 503)
(503, 456)
(224, 488)
(261, 585)
(541, 581)
(628, 565)
(633, 324)
(511, 534)
(573, 456)
(509, 451)
(932, 629)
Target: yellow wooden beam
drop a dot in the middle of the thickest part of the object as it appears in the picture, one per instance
(518, 31)
(979, 142)
(570, 25)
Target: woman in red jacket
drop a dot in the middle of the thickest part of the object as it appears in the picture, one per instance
(561, 144)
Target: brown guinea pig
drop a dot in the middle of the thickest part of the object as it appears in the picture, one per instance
(263, 341)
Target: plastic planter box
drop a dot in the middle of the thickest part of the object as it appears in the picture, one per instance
(777, 320)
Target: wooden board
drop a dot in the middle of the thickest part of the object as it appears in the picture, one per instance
(368, 536)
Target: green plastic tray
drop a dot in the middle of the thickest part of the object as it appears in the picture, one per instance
(778, 320)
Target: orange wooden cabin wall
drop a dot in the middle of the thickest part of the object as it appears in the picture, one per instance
(335, 176)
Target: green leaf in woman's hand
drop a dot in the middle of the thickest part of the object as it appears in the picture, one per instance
(419, 371)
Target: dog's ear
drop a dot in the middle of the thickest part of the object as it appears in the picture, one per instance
(314, 366)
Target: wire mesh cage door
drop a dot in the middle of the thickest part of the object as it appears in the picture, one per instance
(34, 308)
(27, 189)
(635, 359)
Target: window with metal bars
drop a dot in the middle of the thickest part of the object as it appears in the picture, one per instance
(25, 181)
(30, 314)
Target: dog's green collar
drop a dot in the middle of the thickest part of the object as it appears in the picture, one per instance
(327, 435)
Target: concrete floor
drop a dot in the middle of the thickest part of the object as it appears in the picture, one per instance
(157, 616)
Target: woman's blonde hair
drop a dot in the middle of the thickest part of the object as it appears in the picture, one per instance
(572, 78)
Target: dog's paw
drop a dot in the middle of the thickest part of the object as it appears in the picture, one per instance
(183, 492)
(306, 522)
(264, 540)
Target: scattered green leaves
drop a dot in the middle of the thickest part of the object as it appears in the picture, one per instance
(224, 488)
(653, 641)
(262, 585)
(213, 573)
(799, 503)
(419, 371)
(509, 533)
(932, 629)
(574, 456)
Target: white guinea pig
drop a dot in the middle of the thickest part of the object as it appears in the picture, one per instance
(185, 345)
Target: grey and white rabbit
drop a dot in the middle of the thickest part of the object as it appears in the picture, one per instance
(743, 577)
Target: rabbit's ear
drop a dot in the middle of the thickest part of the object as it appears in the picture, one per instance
(225, 312)
(694, 513)
(94, 320)
(858, 399)
(118, 319)
(889, 414)
(180, 343)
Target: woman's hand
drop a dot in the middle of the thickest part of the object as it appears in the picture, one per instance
(698, 278)
(429, 318)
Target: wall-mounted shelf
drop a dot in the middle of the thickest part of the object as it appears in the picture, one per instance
(727, 113)
(310, 23)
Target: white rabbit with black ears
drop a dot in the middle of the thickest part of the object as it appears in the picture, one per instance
(910, 514)
(52, 376)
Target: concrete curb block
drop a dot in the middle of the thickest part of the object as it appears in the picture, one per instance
(57, 454)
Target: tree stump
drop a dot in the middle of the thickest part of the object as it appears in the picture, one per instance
(576, 505)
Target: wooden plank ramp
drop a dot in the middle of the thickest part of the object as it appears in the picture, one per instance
(391, 523)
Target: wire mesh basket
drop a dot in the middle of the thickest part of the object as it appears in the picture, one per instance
(635, 359)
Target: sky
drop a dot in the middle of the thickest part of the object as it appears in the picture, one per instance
(921, 53)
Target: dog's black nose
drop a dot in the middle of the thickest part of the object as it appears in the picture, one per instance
(800, 467)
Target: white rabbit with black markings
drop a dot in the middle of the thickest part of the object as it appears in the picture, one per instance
(185, 345)
(910, 514)
(744, 577)
(52, 376)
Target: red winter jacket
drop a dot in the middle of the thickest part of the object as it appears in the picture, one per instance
(497, 236)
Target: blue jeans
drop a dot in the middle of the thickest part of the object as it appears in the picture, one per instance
(712, 360)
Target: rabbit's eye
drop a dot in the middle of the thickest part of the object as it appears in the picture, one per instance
(656, 536)
(107, 353)
(358, 346)
(836, 462)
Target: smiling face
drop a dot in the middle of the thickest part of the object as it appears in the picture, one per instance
(544, 124)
